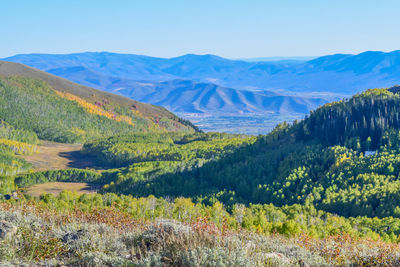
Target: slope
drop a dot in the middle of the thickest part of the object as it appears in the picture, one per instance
(59, 110)
(344, 158)
(90, 94)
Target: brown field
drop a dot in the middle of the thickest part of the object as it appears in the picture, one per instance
(57, 156)
(55, 188)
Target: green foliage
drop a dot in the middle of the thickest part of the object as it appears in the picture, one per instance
(14, 141)
(10, 133)
(123, 150)
(267, 219)
(33, 105)
(365, 116)
(69, 175)
(312, 177)
(7, 184)
(10, 164)
(318, 161)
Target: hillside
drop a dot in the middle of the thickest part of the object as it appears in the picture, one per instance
(324, 161)
(36, 106)
(340, 74)
(46, 104)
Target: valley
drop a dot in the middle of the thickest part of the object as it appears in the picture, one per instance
(250, 124)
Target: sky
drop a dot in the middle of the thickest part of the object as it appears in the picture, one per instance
(228, 28)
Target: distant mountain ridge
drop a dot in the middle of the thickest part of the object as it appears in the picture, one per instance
(187, 96)
(341, 73)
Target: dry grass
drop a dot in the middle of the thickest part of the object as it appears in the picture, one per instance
(57, 156)
(55, 188)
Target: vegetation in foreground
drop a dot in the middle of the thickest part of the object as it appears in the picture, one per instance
(41, 233)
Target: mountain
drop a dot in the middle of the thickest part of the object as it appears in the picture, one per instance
(109, 64)
(186, 96)
(59, 110)
(340, 73)
(281, 59)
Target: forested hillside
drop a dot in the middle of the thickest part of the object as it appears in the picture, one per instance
(13, 142)
(59, 110)
(343, 159)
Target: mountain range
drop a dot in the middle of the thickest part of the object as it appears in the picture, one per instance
(340, 73)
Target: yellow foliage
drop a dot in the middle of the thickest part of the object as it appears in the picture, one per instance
(19, 147)
(342, 159)
(91, 108)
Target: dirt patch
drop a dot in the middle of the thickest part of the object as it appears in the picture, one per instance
(55, 188)
(57, 156)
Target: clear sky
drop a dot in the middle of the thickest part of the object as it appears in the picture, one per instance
(228, 28)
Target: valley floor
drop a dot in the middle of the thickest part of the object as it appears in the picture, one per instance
(57, 156)
(251, 124)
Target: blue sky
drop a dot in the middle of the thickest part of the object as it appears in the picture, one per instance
(229, 28)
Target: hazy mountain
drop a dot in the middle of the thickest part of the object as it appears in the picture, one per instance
(193, 97)
(187, 96)
(281, 59)
(343, 74)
